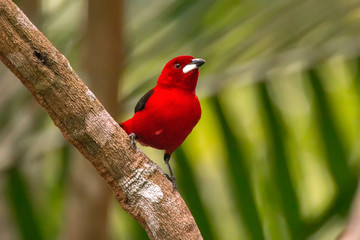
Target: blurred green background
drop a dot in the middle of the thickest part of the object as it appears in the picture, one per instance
(275, 155)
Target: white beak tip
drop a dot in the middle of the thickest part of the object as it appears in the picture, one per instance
(195, 63)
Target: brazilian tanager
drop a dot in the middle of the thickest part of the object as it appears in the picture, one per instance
(166, 114)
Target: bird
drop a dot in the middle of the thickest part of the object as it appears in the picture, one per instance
(167, 113)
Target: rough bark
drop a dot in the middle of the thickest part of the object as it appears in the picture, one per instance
(137, 183)
(88, 197)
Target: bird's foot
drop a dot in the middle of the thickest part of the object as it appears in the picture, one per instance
(171, 177)
(133, 138)
(172, 180)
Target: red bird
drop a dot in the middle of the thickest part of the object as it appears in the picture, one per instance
(166, 114)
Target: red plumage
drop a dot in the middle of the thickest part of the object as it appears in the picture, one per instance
(167, 119)
(166, 115)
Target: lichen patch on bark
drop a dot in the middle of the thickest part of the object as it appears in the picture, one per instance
(99, 126)
(15, 59)
(91, 95)
(151, 192)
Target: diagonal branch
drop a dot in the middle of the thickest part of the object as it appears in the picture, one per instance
(137, 183)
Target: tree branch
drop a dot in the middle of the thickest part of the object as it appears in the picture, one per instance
(87, 211)
(137, 183)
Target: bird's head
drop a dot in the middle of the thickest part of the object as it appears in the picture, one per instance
(181, 72)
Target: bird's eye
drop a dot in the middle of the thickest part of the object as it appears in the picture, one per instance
(177, 65)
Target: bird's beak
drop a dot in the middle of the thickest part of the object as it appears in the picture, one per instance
(195, 63)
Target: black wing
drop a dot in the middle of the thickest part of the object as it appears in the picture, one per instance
(141, 103)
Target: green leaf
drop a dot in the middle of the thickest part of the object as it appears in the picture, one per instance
(335, 152)
(239, 176)
(277, 154)
(187, 186)
(21, 206)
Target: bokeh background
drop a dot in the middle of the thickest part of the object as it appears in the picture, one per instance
(275, 155)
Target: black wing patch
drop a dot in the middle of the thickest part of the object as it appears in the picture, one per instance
(141, 103)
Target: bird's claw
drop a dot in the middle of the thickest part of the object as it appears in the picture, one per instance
(173, 183)
(171, 177)
(172, 180)
(132, 137)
